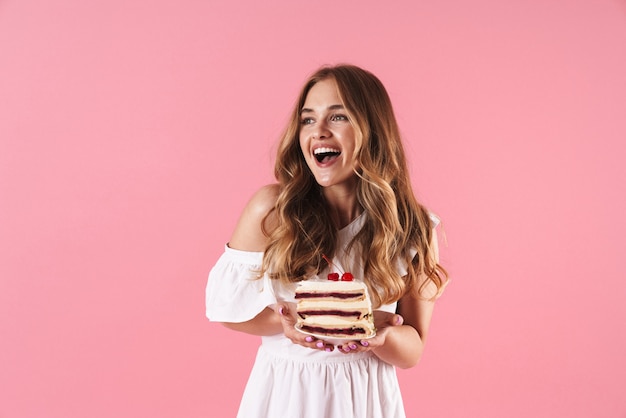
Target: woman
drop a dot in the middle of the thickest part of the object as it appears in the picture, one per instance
(343, 191)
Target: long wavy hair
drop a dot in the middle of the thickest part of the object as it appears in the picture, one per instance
(396, 225)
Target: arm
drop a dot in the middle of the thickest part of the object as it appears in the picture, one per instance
(400, 339)
(404, 344)
(248, 236)
(265, 323)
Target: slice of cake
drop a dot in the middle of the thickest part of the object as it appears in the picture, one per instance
(335, 309)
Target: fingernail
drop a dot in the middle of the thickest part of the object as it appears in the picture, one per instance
(309, 339)
(364, 343)
(281, 310)
(320, 344)
(353, 346)
(328, 349)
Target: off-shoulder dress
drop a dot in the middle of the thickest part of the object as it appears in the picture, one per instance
(289, 380)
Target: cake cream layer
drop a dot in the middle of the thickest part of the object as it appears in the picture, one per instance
(324, 285)
(352, 310)
(331, 290)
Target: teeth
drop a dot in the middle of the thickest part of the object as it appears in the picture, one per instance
(325, 151)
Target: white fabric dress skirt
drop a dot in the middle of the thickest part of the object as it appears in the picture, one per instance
(289, 380)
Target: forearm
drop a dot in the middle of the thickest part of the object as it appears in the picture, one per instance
(403, 347)
(265, 323)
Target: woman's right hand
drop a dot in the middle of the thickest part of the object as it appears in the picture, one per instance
(287, 312)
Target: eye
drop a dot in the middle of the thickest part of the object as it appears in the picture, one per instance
(306, 121)
(338, 118)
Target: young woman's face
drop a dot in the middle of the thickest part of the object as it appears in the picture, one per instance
(327, 136)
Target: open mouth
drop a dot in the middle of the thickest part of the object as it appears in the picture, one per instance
(324, 155)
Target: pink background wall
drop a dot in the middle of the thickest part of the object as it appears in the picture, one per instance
(133, 132)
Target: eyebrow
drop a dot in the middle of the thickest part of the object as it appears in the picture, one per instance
(331, 107)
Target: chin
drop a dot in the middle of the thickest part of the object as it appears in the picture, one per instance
(333, 182)
(323, 183)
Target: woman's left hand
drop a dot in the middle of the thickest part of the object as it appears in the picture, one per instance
(384, 322)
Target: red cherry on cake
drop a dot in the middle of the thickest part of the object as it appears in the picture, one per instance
(345, 277)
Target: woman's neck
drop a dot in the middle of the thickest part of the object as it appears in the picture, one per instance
(343, 205)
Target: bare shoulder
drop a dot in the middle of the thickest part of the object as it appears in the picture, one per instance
(248, 234)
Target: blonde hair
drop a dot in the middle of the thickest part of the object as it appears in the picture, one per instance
(396, 224)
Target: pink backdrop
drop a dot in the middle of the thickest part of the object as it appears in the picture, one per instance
(133, 132)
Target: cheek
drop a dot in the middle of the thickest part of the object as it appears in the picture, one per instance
(349, 139)
(303, 143)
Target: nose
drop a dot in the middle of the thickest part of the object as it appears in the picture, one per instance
(322, 131)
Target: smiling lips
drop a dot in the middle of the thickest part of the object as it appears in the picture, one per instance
(325, 155)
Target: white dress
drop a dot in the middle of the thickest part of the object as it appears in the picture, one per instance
(289, 380)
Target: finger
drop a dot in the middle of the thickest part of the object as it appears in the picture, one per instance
(349, 347)
(285, 315)
(323, 346)
(312, 342)
(282, 309)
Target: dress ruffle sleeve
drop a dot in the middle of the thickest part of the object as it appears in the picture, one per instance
(234, 292)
